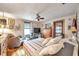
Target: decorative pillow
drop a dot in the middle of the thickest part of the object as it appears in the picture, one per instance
(51, 50)
(46, 41)
(54, 41)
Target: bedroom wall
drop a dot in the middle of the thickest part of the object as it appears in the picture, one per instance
(67, 19)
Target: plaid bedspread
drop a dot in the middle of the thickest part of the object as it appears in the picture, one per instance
(33, 47)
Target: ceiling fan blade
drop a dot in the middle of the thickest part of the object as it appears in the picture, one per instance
(42, 18)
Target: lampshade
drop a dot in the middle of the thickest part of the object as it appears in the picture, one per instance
(73, 29)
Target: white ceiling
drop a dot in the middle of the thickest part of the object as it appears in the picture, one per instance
(28, 11)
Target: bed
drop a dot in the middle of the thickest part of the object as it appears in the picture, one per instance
(33, 47)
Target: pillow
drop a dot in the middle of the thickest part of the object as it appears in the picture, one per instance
(54, 41)
(46, 41)
(63, 40)
(51, 50)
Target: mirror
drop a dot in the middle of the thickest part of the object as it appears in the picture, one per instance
(58, 28)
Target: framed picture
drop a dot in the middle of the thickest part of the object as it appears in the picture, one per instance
(11, 23)
(48, 25)
(69, 23)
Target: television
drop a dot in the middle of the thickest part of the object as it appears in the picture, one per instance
(37, 30)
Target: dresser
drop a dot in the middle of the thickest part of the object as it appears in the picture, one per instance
(3, 44)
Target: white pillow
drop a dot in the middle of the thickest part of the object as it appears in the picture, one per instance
(51, 50)
(54, 41)
(46, 41)
(63, 40)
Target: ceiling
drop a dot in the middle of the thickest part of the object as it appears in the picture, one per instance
(28, 11)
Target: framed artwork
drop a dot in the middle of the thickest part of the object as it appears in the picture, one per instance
(74, 23)
(3, 23)
(11, 23)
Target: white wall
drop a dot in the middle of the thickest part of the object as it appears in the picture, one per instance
(78, 22)
(36, 24)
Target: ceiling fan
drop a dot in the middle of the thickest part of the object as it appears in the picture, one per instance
(38, 17)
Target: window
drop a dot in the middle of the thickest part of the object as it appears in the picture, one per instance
(27, 28)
